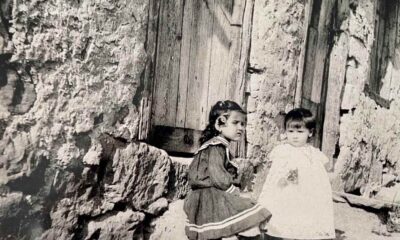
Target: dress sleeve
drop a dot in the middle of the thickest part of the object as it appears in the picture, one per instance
(279, 168)
(219, 175)
(197, 172)
(324, 159)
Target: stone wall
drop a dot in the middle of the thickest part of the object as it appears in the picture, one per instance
(369, 137)
(73, 77)
(73, 73)
(71, 112)
(276, 41)
(72, 80)
(364, 130)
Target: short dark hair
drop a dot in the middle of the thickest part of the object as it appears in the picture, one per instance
(300, 117)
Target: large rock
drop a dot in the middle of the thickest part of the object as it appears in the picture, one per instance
(129, 176)
(367, 152)
(139, 175)
(71, 72)
(178, 182)
(12, 207)
(64, 223)
(120, 226)
(15, 206)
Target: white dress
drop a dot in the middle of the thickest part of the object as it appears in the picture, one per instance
(298, 193)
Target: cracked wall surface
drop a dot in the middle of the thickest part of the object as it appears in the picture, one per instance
(365, 133)
(277, 37)
(72, 81)
(367, 163)
(72, 76)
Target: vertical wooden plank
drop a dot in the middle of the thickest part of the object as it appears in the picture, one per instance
(322, 49)
(392, 26)
(185, 61)
(335, 84)
(310, 64)
(146, 101)
(238, 12)
(385, 52)
(239, 49)
(167, 64)
(374, 84)
(313, 87)
(219, 63)
(398, 25)
(235, 84)
(303, 50)
(200, 50)
(244, 51)
(392, 34)
(374, 60)
(396, 54)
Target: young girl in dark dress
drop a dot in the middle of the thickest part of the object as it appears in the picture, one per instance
(214, 211)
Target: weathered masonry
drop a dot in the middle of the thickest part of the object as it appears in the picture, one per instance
(86, 87)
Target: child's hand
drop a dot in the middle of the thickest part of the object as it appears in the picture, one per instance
(238, 179)
(293, 176)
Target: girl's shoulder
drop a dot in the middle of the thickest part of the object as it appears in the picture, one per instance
(317, 153)
(215, 142)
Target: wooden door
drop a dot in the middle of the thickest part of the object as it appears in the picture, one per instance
(313, 92)
(201, 53)
(383, 55)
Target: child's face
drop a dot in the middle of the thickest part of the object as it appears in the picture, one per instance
(297, 136)
(234, 127)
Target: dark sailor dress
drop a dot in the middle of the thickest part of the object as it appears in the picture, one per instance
(213, 210)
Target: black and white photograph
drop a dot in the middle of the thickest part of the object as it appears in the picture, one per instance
(199, 119)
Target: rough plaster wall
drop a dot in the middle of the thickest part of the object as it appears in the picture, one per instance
(369, 146)
(369, 137)
(277, 36)
(69, 160)
(84, 61)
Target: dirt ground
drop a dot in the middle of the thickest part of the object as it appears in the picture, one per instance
(351, 223)
(354, 223)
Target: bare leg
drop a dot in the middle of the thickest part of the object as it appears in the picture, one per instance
(251, 232)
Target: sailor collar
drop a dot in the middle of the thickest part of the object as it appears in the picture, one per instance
(218, 141)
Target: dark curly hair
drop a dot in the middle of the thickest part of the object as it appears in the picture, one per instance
(300, 117)
(219, 109)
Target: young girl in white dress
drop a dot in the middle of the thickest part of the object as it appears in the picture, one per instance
(297, 190)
